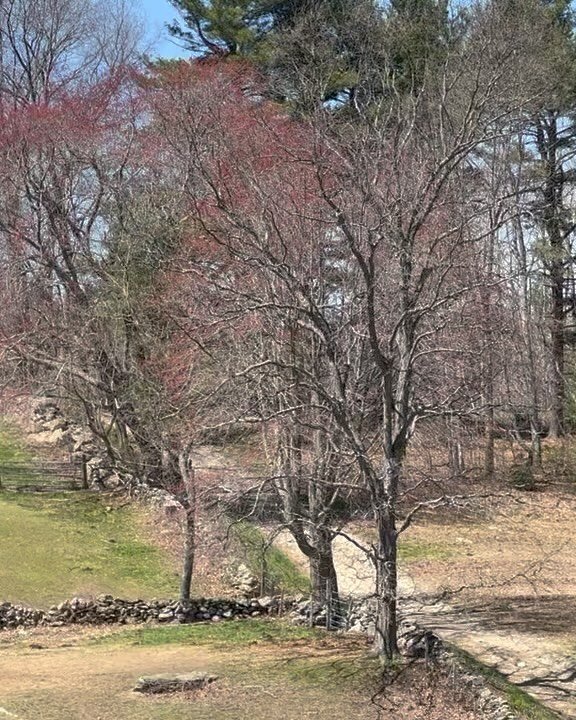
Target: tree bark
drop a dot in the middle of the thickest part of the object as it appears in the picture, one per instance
(385, 638)
(548, 142)
(189, 505)
(323, 577)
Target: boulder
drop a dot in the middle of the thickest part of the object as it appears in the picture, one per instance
(168, 683)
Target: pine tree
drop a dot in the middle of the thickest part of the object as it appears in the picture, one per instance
(419, 34)
(238, 27)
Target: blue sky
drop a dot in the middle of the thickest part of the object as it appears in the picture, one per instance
(157, 13)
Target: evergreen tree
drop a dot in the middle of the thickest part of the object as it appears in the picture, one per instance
(419, 33)
(219, 26)
(311, 51)
(554, 132)
(238, 27)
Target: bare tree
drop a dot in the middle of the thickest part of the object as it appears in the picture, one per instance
(385, 195)
(51, 47)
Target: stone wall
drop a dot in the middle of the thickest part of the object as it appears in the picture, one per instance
(107, 610)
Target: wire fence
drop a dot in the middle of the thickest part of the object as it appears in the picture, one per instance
(335, 611)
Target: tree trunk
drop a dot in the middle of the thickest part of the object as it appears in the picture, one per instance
(557, 354)
(189, 504)
(489, 436)
(318, 549)
(548, 142)
(323, 577)
(385, 638)
(488, 353)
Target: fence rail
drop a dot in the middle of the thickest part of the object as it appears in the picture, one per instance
(43, 476)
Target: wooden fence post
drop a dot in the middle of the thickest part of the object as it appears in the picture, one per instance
(85, 485)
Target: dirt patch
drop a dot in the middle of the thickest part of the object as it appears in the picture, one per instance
(507, 583)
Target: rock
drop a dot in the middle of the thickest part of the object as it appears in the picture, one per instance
(109, 610)
(268, 602)
(54, 437)
(244, 581)
(58, 423)
(155, 684)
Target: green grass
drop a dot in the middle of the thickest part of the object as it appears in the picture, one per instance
(359, 672)
(412, 550)
(18, 466)
(272, 672)
(280, 574)
(236, 633)
(57, 545)
(54, 546)
(11, 450)
(527, 707)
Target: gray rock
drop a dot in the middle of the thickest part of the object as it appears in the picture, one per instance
(155, 684)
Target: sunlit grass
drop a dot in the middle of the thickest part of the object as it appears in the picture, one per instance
(54, 546)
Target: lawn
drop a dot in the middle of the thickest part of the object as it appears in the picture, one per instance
(55, 546)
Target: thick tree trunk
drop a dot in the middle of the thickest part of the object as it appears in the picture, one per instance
(557, 353)
(188, 559)
(385, 638)
(548, 142)
(323, 577)
(318, 549)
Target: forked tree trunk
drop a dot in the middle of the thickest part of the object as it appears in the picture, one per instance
(318, 549)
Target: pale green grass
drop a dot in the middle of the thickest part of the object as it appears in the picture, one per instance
(11, 449)
(414, 550)
(267, 562)
(526, 707)
(235, 633)
(55, 546)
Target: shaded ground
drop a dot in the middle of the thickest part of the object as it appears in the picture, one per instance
(509, 585)
(260, 677)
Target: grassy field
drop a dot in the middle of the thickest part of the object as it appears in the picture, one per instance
(277, 572)
(55, 546)
(11, 450)
(262, 667)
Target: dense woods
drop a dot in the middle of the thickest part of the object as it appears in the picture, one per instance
(342, 229)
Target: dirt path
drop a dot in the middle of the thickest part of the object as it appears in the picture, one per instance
(541, 662)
